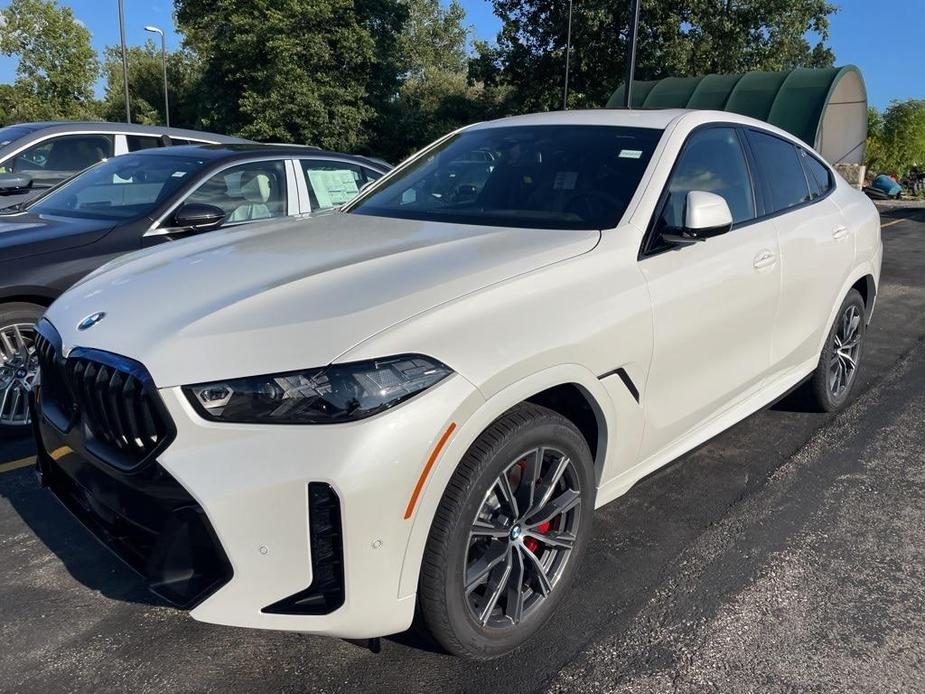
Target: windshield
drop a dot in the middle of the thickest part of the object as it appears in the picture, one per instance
(124, 187)
(540, 176)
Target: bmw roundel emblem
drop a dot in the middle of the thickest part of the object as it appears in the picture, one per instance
(91, 320)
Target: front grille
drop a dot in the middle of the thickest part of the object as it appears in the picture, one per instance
(111, 397)
(326, 592)
(121, 415)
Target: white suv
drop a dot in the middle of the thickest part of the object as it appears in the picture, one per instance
(415, 403)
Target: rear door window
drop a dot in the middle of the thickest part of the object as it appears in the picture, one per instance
(331, 183)
(780, 172)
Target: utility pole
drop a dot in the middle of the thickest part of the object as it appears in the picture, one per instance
(568, 55)
(128, 109)
(156, 30)
(631, 54)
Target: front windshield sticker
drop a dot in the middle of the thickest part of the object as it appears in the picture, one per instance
(565, 180)
(630, 153)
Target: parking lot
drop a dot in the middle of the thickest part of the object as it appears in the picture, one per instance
(786, 554)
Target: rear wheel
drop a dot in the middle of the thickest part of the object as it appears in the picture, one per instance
(832, 382)
(509, 534)
(18, 364)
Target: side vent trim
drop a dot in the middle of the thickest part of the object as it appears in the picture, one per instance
(627, 381)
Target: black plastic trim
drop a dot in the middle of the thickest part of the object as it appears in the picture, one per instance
(326, 592)
(627, 381)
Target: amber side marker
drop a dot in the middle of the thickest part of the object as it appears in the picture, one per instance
(426, 471)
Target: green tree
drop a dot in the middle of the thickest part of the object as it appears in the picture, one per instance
(896, 139)
(294, 70)
(677, 37)
(146, 85)
(57, 65)
(433, 93)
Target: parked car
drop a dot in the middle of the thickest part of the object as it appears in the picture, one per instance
(138, 200)
(36, 156)
(418, 403)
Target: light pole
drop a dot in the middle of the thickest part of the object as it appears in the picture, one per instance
(128, 110)
(631, 54)
(156, 30)
(568, 55)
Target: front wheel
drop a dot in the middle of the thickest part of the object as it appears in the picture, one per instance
(508, 535)
(836, 374)
(18, 364)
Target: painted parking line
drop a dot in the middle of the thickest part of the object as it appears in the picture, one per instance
(16, 464)
(895, 221)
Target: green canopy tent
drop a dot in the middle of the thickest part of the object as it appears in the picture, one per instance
(826, 108)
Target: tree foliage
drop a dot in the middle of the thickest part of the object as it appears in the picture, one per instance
(676, 38)
(896, 138)
(57, 65)
(146, 85)
(294, 70)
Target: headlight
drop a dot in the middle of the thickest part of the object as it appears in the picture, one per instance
(331, 394)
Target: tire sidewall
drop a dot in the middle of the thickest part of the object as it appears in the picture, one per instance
(493, 642)
(825, 394)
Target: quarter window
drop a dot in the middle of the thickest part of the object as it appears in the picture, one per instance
(780, 172)
(817, 175)
(712, 161)
(249, 192)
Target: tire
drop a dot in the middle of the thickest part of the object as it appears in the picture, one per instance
(828, 394)
(490, 621)
(17, 365)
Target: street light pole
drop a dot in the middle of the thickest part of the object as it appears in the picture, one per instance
(568, 55)
(631, 54)
(128, 110)
(156, 30)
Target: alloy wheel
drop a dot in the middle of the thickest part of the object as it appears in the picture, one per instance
(521, 538)
(846, 349)
(18, 368)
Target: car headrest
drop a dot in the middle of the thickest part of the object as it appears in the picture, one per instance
(256, 186)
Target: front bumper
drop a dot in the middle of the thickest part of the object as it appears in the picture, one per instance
(243, 498)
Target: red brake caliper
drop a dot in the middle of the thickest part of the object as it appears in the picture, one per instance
(531, 542)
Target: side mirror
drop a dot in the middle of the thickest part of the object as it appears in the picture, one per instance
(196, 216)
(705, 215)
(14, 183)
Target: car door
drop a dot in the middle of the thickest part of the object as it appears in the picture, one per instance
(54, 159)
(817, 250)
(713, 302)
(330, 183)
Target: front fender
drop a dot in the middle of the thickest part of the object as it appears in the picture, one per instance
(471, 420)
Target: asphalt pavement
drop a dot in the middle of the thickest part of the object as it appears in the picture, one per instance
(787, 554)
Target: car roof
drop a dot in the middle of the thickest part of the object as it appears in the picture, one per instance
(660, 119)
(236, 151)
(69, 126)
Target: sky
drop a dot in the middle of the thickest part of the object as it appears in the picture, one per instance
(884, 39)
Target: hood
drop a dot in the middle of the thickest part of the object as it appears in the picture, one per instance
(293, 294)
(26, 233)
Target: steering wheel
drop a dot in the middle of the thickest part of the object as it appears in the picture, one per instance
(590, 203)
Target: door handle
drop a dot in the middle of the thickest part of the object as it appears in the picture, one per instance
(839, 232)
(764, 259)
